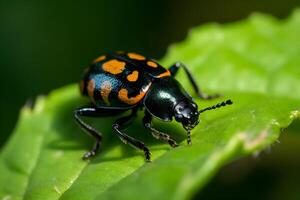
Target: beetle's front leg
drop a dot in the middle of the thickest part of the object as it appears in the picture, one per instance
(155, 133)
(174, 69)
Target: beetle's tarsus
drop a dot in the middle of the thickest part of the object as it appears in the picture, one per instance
(93, 152)
(155, 133)
(163, 136)
(88, 155)
(173, 143)
(147, 154)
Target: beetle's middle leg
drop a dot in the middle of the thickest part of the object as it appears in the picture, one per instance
(157, 134)
(174, 69)
(120, 124)
(93, 112)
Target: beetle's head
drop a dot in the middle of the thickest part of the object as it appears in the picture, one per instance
(186, 112)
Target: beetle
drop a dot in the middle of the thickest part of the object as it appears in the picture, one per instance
(124, 81)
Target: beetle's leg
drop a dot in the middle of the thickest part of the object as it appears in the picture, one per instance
(157, 134)
(121, 124)
(174, 68)
(88, 112)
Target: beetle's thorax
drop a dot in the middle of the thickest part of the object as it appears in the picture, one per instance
(164, 96)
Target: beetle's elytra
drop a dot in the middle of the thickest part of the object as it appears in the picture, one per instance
(122, 81)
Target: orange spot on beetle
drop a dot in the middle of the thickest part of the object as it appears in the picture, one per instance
(152, 64)
(133, 76)
(114, 66)
(91, 89)
(136, 56)
(105, 91)
(99, 59)
(167, 73)
(123, 96)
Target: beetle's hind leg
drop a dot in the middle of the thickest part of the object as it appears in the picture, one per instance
(174, 69)
(155, 133)
(120, 124)
(88, 112)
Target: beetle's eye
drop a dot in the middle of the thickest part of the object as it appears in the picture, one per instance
(180, 109)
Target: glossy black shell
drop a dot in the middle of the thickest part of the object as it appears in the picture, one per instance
(107, 88)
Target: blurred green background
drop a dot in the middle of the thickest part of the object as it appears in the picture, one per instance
(46, 44)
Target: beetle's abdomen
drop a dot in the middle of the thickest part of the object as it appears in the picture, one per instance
(113, 82)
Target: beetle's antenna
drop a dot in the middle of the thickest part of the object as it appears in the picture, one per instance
(222, 104)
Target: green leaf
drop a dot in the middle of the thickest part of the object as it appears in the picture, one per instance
(254, 62)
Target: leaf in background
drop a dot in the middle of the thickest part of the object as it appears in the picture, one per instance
(254, 62)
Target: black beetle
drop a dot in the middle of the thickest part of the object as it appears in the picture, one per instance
(118, 82)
